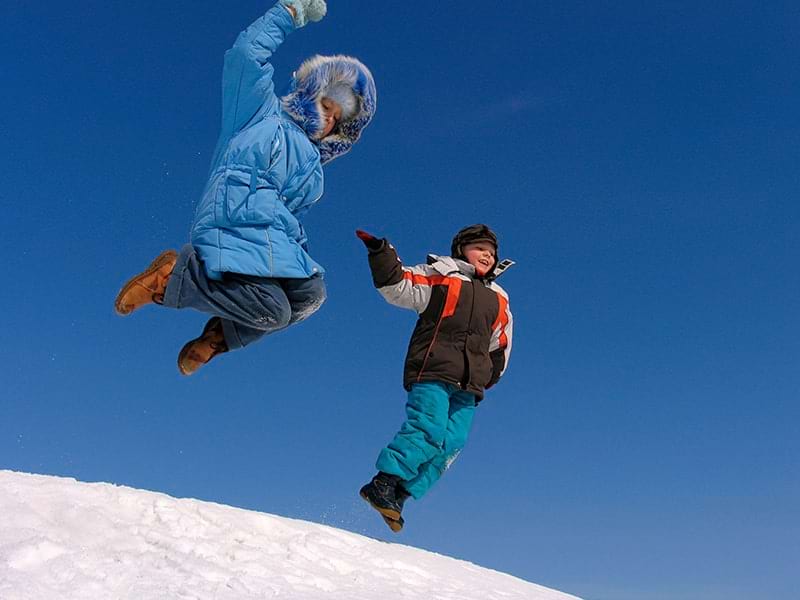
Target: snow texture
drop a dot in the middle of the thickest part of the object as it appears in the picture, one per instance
(60, 538)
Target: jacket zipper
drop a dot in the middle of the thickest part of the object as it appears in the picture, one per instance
(430, 346)
(468, 375)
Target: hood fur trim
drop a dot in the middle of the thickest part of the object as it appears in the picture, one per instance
(309, 83)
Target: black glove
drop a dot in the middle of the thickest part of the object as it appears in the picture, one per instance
(372, 243)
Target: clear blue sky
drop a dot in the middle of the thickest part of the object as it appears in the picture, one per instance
(641, 163)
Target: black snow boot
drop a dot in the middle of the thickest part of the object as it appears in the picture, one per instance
(401, 494)
(382, 496)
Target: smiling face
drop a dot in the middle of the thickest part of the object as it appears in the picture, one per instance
(481, 256)
(331, 114)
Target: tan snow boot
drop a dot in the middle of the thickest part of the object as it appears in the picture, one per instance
(147, 287)
(202, 349)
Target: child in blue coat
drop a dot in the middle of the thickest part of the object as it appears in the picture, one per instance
(460, 347)
(247, 265)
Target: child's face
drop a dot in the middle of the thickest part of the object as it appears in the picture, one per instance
(481, 256)
(331, 114)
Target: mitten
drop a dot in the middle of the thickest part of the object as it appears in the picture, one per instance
(306, 10)
(370, 241)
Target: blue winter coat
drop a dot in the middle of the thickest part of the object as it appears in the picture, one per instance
(265, 172)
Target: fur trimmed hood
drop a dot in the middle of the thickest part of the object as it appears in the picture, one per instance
(308, 86)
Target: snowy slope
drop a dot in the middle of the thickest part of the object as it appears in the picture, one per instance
(60, 538)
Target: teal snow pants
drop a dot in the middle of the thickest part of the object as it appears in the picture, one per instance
(438, 420)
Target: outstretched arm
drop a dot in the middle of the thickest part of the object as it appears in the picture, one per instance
(406, 287)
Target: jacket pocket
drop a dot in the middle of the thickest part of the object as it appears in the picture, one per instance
(250, 199)
(479, 365)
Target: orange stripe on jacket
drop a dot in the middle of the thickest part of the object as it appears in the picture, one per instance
(453, 288)
(453, 292)
(502, 319)
(418, 279)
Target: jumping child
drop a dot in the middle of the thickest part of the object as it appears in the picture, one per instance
(459, 348)
(248, 264)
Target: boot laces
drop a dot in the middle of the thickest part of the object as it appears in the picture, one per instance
(384, 485)
(218, 348)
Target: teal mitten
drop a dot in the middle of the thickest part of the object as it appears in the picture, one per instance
(306, 10)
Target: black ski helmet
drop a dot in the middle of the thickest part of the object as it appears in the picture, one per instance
(470, 235)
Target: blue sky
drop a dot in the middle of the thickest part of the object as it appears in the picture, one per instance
(639, 162)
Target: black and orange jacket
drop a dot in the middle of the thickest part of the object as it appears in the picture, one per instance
(463, 334)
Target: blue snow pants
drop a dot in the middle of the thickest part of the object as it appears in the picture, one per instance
(250, 307)
(438, 420)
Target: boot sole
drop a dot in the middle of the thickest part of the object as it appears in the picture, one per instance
(160, 261)
(394, 524)
(181, 356)
(387, 513)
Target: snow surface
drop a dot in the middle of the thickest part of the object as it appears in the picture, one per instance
(63, 539)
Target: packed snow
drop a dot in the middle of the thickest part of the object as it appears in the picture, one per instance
(64, 539)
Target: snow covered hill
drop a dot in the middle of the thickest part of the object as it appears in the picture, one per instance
(63, 539)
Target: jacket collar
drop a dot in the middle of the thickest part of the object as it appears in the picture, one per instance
(447, 265)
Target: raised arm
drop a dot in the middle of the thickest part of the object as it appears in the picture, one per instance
(247, 86)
